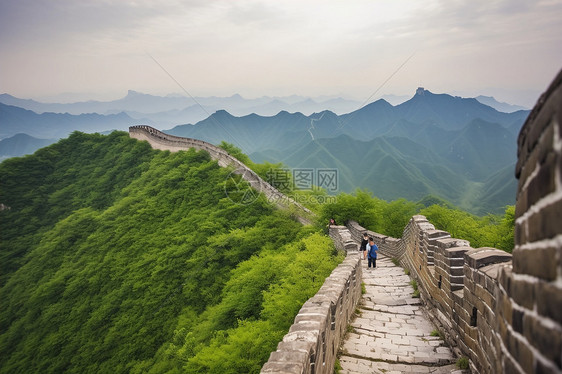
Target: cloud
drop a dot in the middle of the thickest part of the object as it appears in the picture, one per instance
(271, 47)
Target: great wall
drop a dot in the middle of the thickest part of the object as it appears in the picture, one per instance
(502, 311)
(162, 141)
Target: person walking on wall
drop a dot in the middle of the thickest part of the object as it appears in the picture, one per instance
(363, 247)
(372, 253)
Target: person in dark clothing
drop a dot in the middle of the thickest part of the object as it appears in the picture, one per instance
(363, 247)
(372, 249)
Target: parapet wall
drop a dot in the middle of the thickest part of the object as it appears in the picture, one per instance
(457, 283)
(532, 334)
(313, 340)
(504, 312)
(159, 140)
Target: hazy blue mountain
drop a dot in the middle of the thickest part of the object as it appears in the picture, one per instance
(442, 145)
(15, 120)
(481, 149)
(428, 119)
(22, 144)
(250, 133)
(133, 101)
(451, 112)
(498, 105)
(395, 167)
(173, 110)
(174, 117)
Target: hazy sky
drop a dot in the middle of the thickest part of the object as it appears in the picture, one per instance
(50, 49)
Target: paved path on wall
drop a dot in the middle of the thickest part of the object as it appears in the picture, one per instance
(392, 334)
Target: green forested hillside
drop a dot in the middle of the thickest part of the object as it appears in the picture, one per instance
(119, 258)
(390, 218)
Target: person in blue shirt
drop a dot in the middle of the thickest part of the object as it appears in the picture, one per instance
(372, 253)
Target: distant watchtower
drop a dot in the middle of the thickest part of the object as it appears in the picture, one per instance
(420, 91)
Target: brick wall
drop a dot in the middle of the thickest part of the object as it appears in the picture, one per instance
(313, 340)
(532, 304)
(457, 283)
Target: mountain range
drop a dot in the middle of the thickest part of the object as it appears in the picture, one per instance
(456, 148)
(172, 110)
(452, 147)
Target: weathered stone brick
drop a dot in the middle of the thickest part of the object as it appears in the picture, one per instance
(502, 329)
(452, 243)
(527, 169)
(483, 295)
(546, 146)
(506, 310)
(456, 252)
(289, 356)
(541, 368)
(538, 262)
(469, 285)
(489, 315)
(517, 320)
(522, 353)
(306, 317)
(282, 367)
(544, 182)
(546, 339)
(523, 293)
(505, 278)
(546, 223)
(477, 258)
(456, 272)
(520, 235)
(509, 366)
(521, 206)
(549, 301)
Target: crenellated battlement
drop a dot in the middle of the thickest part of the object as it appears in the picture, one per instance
(458, 284)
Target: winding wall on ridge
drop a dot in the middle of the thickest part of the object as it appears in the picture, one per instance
(162, 141)
(503, 312)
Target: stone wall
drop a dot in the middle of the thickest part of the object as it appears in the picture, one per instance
(313, 340)
(503, 312)
(159, 140)
(531, 327)
(457, 283)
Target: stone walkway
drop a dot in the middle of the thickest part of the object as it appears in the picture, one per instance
(391, 333)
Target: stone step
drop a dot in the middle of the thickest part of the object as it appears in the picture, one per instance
(390, 331)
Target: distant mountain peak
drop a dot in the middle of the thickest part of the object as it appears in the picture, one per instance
(499, 105)
(131, 93)
(421, 91)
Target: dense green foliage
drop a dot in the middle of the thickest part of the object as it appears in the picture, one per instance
(120, 258)
(390, 218)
